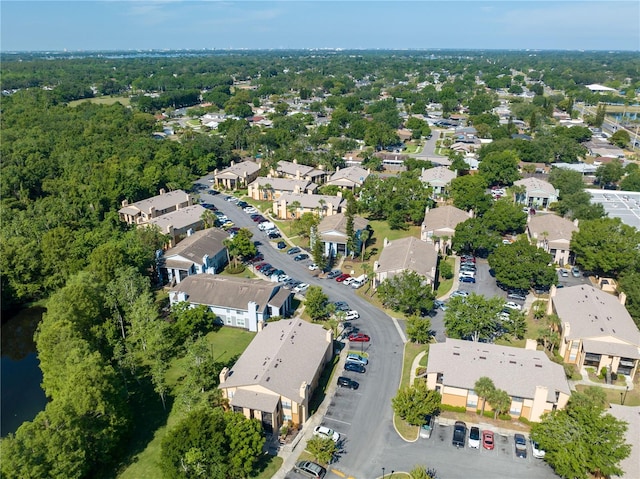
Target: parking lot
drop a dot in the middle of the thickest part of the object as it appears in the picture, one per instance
(619, 204)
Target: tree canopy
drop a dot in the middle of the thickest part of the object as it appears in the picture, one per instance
(406, 292)
(521, 265)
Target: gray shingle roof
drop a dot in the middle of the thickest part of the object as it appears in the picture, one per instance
(225, 291)
(408, 253)
(352, 175)
(443, 217)
(592, 313)
(159, 202)
(181, 218)
(515, 370)
(555, 227)
(312, 201)
(440, 175)
(239, 169)
(195, 247)
(281, 356)
(537, 187)
(283, 184)
(338, 222)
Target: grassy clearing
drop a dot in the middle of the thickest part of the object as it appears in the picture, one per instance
(411, 350)
(152, 422)
(247, 273)
(381, 230)
(411, 148)
(103, 100)
(268, 466)
(613, 395)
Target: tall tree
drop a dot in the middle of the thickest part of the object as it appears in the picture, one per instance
(484, 388)
(419, 329)
(474, 318)
(500, 168)
(316, 303)
(413, 403)
(406, 292)
(521, 265)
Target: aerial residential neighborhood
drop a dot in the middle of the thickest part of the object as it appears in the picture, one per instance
(323, 264)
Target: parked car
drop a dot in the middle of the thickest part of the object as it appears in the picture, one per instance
(474, 437)
(300, 257)
(459, 434)
(512, 305)
(459, 292)
(325, 432)
(342, 306)
(347, 383)
(281, 245)
(359, 338)
(536, 451)
(334, 274)
(521, 445)
(437, 304)
(342, 277)
(354, 367)
(427, 427)
(517, 296)
(468, 274)
(301, 288)
(487, 440)
(351, 315)
(564, 273)
(274, 235)
(293, 250)
(313, 266)
(356, 358)
(467, 279)
(282, 278)
(575, 272)
(348, 280)
(310, 469)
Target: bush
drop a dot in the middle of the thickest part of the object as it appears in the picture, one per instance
(603, 373)
(447, 407)
(524, 420)
(505, 417)
(235, 269)
(614, 376)
(570, 370)
(446, 271)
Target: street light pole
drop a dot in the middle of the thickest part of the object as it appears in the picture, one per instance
(383, 473)
(625, 395)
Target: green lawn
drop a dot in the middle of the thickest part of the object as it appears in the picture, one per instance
(411, 350)
(613, 395)
(381, 230)
(446, 284)
(103, 100)
(152, 421)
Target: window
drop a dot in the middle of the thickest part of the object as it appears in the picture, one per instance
(472, 399)
(240, 322)
(516, 406)
(573, 354)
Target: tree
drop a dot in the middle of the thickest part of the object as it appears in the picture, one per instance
(364, 237)
(413, 403)
(317, 251)
(521, 265)
(419, 329)
(620, 138)
(241, 246)
(469, 193)
(567, 181)
(316, 303)
(567, 436)
(191, 321)
(630, 285)
(500, 402)
(500, 168)
(631, 182)
(293, 207)
(406, 292)
(505, 217)
(322, 449)
(245, 439)
(484, 388)
(351, 208)
(609, 173)
(606, 246)
(473, 318)
(473, 236)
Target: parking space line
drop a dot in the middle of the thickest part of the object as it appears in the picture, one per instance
(337, 420)
(339, 473)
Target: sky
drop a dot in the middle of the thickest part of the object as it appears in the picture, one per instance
(53, 25)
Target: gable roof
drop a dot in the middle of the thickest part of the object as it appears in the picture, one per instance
(283, 184)
(239, 170)
(338, 222)
(312, 201)
(443, 217)
(555, 227)
(408, 253)
(225, 291)
(281, 357)
(349, 176)
(515, 370)
(195, 247)
(440, 175)
(537, 186)
(160, 202)
(179, 219)
(592, 313)
(289, 168)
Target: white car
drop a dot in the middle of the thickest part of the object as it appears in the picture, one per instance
(351, 315)
(512, 305)
(313, 267)
(325, 432)
(301, 288)
(348, 281)
(536, 451)
(356, 358)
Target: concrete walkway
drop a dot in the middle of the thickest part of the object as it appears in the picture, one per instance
(415, 365)
(456, 280)
(588, 382)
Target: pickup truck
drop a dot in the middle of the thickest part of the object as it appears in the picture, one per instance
(459, 434)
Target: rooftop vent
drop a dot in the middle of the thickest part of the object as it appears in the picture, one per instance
(538, 365)
(267, 380)
(512, 362)
(483, 357)
(455, 353)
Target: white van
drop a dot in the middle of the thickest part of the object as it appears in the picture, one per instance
(266, 225)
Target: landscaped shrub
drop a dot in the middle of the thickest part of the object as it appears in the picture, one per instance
(446, 407)
(445, 270)
(504, 417)
(524, 420)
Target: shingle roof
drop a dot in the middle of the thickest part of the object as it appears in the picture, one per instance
(592, 313)
(408, 253)
(515, 370)
(349, 176)
(283, 184)
(281, 356)
(338, 222)
(195, 247)
(290, 168)
(538, 186)
(225, 291)
(555, 227)
(159, 202)
(631, 415)
(181, 218)
(312, 201)
(239, 169)
(443, 217)
(439, 175)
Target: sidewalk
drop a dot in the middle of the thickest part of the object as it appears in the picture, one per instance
(588, 382)
(415, 365)
(456, 280)
(290, 453)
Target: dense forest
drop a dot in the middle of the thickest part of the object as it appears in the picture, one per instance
(104, 342)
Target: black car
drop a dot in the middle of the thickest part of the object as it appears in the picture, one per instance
(517, 295)
(242, 204)
(214, 192)
(275, 235)
(459, 434)
(281, 245)
(521, 445)
(354, 367)
(293, 250)
(347, 383)
(300, 257)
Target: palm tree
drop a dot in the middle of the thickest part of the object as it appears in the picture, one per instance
(266, 191)
(322, 207)
(208, 219)
(484, 388)
(364, 236)
(293, 208)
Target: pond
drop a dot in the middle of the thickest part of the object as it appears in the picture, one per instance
(21, 396)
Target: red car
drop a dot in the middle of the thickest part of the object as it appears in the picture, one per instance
(487, 440)
(359, 338)
(342, 277)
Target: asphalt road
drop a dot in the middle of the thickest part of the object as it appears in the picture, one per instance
(364, 417)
